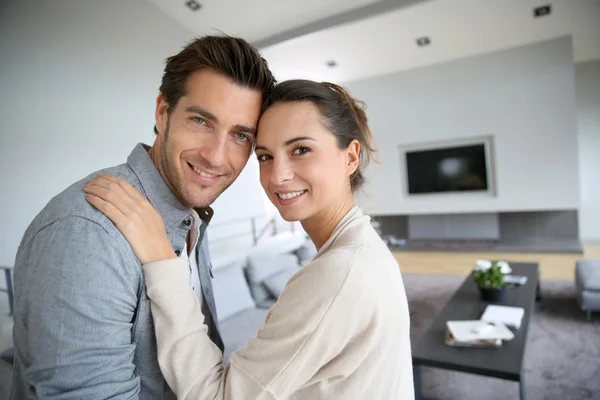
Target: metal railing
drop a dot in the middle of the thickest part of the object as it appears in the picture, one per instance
(9, 288)
(255, 231)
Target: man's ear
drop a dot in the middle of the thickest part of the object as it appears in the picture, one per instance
(353, 156)
(160, 115)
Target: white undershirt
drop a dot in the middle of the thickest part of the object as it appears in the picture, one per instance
(193, 260)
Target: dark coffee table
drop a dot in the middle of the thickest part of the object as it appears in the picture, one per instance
(505, 362)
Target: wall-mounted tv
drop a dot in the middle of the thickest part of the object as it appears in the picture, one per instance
(447, 169)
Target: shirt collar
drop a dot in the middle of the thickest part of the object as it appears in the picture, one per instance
(158, 192)
(205, 213)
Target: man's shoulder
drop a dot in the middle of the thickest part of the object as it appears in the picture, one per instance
(72, 203)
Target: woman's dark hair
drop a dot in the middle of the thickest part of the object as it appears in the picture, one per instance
(341, 114)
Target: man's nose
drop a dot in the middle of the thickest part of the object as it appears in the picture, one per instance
(216, 151)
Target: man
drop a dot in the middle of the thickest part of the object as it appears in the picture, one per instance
(83, 328)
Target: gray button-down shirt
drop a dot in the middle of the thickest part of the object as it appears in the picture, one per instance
(82, 322)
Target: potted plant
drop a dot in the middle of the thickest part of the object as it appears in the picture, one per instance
(489, 277)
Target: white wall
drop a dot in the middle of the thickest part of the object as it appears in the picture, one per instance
(79, 80)
(523, 97)
(587, 77)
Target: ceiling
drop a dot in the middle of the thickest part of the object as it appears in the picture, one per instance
(369, 38)
(254, 20)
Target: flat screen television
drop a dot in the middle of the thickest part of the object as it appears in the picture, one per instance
(449, 169)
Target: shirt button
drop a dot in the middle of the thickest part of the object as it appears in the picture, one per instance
(187, 222)
(177, 252)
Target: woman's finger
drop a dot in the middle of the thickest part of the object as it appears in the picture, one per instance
(113, 193)
(112, 212)
(133, 192)
(140, 204)
(109, 184)
(124, 204)
(129, 188)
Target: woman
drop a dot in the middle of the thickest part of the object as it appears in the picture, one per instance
(340, 329)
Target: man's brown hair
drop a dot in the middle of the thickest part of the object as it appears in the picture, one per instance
(233, 57)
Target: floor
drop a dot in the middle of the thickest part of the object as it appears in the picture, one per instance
(561, 355)
(552, 266)
(517, 245)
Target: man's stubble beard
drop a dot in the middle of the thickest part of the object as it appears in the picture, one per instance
(177, 183)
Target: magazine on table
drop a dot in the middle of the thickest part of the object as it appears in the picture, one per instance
(509, 316)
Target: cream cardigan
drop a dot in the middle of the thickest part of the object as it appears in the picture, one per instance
(340, 329)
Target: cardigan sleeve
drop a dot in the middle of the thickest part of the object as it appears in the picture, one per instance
(314, 320)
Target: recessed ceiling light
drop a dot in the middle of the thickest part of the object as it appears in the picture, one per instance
(542, 11)
(423, 41)
(331, 63)
(193, 5)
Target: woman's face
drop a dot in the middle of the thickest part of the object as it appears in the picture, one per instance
(302, 169)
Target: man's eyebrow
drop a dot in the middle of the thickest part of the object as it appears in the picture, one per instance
(211, 117)
(245, 129)
(201, 111)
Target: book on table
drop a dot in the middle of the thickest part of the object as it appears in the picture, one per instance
(476, 333)
(509, 316)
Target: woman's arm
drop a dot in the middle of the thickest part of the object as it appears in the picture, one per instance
(191, 363)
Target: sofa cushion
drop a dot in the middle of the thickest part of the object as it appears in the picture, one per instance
(276, 283)
(261, 267)
(303, 262)
(237, 330)
(588, 274)
(260, 294)
(589, 300)
(232, 294)
(270, 302)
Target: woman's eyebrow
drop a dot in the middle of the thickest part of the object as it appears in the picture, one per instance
(288, 142)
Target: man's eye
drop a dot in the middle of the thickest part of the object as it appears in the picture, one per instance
(199, 120)
(242, 137)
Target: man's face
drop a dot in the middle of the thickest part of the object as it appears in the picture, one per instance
(205, 142)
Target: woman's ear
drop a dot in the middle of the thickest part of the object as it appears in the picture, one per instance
(353, 156)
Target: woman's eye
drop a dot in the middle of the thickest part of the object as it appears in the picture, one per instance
(262, 157)
(301, 150)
